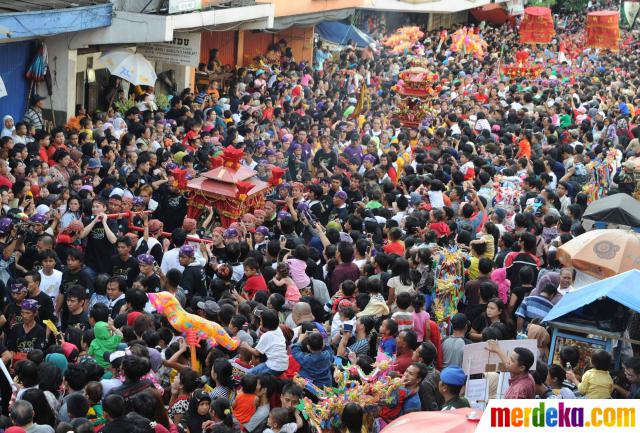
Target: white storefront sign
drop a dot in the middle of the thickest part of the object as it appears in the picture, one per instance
(183, 50)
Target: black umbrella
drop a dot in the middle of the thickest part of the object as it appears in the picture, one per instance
(619, 209)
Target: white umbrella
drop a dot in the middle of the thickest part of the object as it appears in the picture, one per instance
(129, 66)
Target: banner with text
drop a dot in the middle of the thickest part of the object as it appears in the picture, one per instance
(183, 50)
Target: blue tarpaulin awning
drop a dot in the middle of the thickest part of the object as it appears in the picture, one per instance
(622, 288)
(340, 33)
(52, 22)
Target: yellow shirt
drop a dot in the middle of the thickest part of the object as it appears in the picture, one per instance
(89, 133)
(473, 271)
(489, 242)
(596, 384)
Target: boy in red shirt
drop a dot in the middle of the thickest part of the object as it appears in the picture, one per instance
(254, 280)
(395, 245)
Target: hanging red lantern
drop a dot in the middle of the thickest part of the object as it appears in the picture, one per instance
(537, 26)
(603, 30)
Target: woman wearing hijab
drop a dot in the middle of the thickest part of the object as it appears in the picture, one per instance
(119, 127)
(198, 411)
(59, 360)
(8, 126)
(538, 333)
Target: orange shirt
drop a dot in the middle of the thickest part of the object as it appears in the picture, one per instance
(396, 247)
(524, 148)
(244, 407)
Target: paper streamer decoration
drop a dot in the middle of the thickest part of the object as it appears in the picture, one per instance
(449, 276)
(375, 389)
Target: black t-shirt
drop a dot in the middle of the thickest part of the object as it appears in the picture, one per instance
(118, 425)
(354, 196)
(473, 311)
(45, 307)
(70, 279)
(20, 341)
(221, 254)
(172, 208)
(12, 314)
(152, 283)
(30, 259)
(329, 158)
(194, 281)
(127, 269)
(79, 321)
(99, 249)
(122, 226)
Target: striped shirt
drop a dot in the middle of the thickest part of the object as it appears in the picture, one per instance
(404, 319)
(534, 307)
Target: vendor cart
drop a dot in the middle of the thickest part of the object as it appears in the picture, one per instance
(586, 338)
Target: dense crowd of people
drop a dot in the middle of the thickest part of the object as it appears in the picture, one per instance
(337, 265)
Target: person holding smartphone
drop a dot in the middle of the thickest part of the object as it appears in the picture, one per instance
(101, 239)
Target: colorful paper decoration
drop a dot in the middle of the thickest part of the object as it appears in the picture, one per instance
(466, 41)
(403, 39)
(600, 175)
(537, 26)
(449, 276)
(522, 67)
(603, 30)
(375, 389)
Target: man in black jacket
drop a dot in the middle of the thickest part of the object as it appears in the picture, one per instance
(194, 280)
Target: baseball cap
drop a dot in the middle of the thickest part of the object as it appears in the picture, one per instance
(94, 163)
(415, 198)
(459, 321)
(116, 191)
(42, 209)
(500, 213)
(209, 307)
(453, 376)
(112, 357)
(341, 195)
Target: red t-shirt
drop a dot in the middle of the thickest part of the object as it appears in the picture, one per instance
(255, 283)
(396, 247)
(5, 182)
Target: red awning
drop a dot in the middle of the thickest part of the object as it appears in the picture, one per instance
(492, 13)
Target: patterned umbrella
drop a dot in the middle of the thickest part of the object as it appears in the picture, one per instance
(602, 253)
(129, 66)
